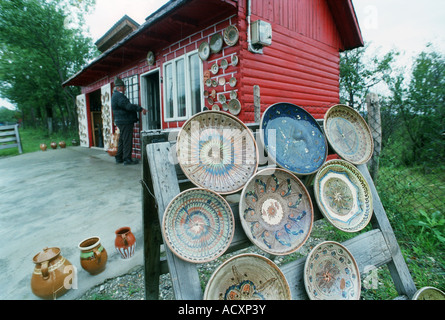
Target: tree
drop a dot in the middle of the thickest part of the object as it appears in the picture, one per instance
(358, 74)
(39, 51)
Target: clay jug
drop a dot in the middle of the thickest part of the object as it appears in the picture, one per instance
(62, 144)
(125, 242)
(53, 145)
(52, 274)
(43, 147)
(93, 256)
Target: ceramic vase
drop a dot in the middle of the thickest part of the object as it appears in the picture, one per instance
(125, 242)
(53, 274)
(53, 145)
(62, 144)
(112, 151)
(43, 147)
(93, 256)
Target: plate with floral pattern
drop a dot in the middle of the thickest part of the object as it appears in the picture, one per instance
(247, 277)
(216, 151)
(276, 211)
(343, 195)
(198, 225)
(331, 273)
(348, 134)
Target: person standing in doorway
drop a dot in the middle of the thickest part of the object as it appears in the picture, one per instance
(125, 115)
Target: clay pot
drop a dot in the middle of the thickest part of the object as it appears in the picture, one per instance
(112, 151)
(43, 147)
(74, 142)
(93, 256)
(52, 274)
(125, 242)
(53, 145)
(62, 144)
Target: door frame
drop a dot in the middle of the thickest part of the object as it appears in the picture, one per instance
(144, 101)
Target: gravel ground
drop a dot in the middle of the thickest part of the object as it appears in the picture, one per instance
(131, 285)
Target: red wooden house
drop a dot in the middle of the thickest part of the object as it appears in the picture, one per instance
(289, 48)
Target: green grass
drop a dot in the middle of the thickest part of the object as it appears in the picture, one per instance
(32, 138)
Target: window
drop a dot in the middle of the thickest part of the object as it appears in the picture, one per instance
(132, 91)
(182, 87)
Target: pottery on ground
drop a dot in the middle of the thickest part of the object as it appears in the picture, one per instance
(62, 144)
(53, 145)
(125, 242)
(112, 151)
(43, 146)
(53, 274)
(93, 256)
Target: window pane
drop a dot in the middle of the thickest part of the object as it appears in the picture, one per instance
(180, 87)
(195, 83)
(168, 83)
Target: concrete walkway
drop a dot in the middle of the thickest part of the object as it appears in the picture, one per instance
(58, 198)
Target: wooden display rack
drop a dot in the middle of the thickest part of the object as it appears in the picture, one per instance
(163, 180)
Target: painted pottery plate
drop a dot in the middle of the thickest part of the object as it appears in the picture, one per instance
(209, 82)
(216, 107)
(429, 293)
(331, 273)
(348, 134)
(232, 82)
(150, 58)
(222, 98)
(247, 277)
(217, 151)
(234, 107)
(224, 64)
(198, 225)
(234, 60)
(225, 106)
(231, 35)
(216, 43)
(293, 138)
(233, 94)
(276, 211)
(204, 51)
(214, 69)
(343, 195)
(222, 81)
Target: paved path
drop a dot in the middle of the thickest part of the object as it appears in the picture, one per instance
(58, 198)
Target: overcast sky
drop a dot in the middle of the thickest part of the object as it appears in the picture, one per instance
(404, 25)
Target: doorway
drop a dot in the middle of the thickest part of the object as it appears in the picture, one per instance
(96, 119)
(150, 99)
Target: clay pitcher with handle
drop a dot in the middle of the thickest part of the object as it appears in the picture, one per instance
(53, 274)
(93, 256)
(125, 242)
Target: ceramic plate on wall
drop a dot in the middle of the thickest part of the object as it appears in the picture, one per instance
(331, 273)
(150, 58)
(343, 195)
(234, 107)
(293, 138)
(224, 64)
(204, 51)
(276, 211)
(198, 225)
(234, 60)
(216, 43)
(231, 35)
(348, 134)
(247, 277)
(217, 151)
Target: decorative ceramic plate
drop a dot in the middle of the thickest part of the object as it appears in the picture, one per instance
(276, 211)
(331, 273)
(343, 195)
(222, 81)
(234, 60)
(231, 35)
(222, 98)
(209, 82)
(210, 101)
(224, 64)
(198, 225)
(225, 106)
(293, 138)
(348, 134)
(214, 69)
(150, 58)
(232, 82)
(429, 293)
(217, 151)
(204, 51)
(247, 277)
(216, 43)
(233, 94)
(234, 107)
(215, 107)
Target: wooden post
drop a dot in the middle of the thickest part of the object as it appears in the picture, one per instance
(375, 124)
(257, 103)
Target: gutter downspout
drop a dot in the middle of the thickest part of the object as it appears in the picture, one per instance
(249, 40)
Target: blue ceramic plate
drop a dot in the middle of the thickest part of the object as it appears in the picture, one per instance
(293, 138)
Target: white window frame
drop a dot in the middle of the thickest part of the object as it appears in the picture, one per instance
(132, 85)
(188, 104)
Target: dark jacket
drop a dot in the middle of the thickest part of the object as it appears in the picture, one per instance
(124, 111)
